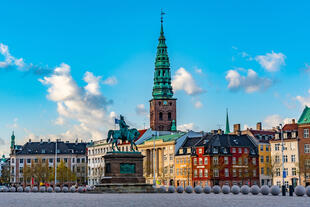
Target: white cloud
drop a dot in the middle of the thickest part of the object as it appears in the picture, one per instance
(84, 105)
(141, 110)
(10, 60)
(187, 127)
(304, 101)
(271, 61)
(198, 104)
(110, 81)
(183, 80)
(199, 71)
(274, 121)
(250, 83)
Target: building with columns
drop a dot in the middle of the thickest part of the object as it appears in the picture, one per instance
(159, 152)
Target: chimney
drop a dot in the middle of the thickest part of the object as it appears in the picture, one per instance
(41, 141)
(30, 140)
(236, 128)
(259, 126)
(49, 140)
(76, 141)
(293, 121)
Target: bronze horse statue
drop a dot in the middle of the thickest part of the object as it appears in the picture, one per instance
(116, 135)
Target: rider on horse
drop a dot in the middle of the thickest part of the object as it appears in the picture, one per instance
(123, 128)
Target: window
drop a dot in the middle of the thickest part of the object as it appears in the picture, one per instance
(83, 160)
(43, 151)
(77, 160)
(277, 147)
(240, 172)
(195, 173)
(261, 147)
(262, 171)
(234, 160)
(215, 160)
(200, 161)
(278, 172)
(294, 171)
(226, 172)
(200, 173)
(233, 150)
(286, 171)
(169, 116)
(215, 150)
(21, 161)
(285, 158)
(246, 161)
(226, 162)
(195, 161)
(206, 172)
(254, 161)
(50, 160)
(285, 135)
(177, 161)
(267, 158)
(277, 159)
(240, 160)
(12, 160)
(206, 160)
(171, 157)
(234, 173)
(58, 159)
(306, 133)
(262, 159)
(199, 150)
(216, 172)
(254, 173)
(307, 148)
(267, 148)
(65, 160)
(240, 150)
(171, 170)
(28, 161)
(43, 160)
(160, 116)
(293, 158)
(246, 150)
(21, 169)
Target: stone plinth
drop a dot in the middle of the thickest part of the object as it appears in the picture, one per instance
(123, 167)
(123, 174)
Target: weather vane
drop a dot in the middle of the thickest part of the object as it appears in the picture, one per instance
(162, 15)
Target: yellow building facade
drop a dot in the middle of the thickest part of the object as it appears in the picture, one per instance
(159, 152)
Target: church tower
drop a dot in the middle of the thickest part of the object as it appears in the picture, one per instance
(163, 105)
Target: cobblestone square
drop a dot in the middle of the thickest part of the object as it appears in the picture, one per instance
(135, 200)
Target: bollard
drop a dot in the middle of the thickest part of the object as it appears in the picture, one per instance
(283, 190)
(291, 190)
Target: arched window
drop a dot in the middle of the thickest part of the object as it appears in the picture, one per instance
(160, 116)
(169, 116)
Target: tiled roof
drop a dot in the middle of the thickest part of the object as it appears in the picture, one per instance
(290, 127)
(49, 148)
(305, 116)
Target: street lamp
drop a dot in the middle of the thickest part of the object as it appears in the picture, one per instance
(154, 160)
(283, 172)
(55, 164)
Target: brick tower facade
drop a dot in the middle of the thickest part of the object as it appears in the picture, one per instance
(163, 105)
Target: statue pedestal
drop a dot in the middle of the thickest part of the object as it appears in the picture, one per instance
(123, 174)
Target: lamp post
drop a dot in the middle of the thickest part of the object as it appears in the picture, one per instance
(55, 164)
(282, 151)
(154, 160)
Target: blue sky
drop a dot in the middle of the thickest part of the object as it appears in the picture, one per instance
(248, 56)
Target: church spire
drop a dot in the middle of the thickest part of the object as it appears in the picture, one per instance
(12, 140)
(227, 130)
(162, 88)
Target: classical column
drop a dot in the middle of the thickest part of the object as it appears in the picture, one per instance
(157, 161)
(151, 162)
(160, 161)
(148, 162)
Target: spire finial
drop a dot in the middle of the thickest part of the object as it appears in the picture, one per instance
(162, 16)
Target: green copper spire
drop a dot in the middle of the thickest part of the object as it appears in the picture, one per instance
(162, 88)
(12, 140)
(227, 130)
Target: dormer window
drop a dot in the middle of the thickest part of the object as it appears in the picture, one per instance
(215, 150)
(277, 136)
(225, 150)
(285, 135)
(181, 151)
(293, 134)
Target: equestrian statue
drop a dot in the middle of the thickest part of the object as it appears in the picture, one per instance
(123, 134)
